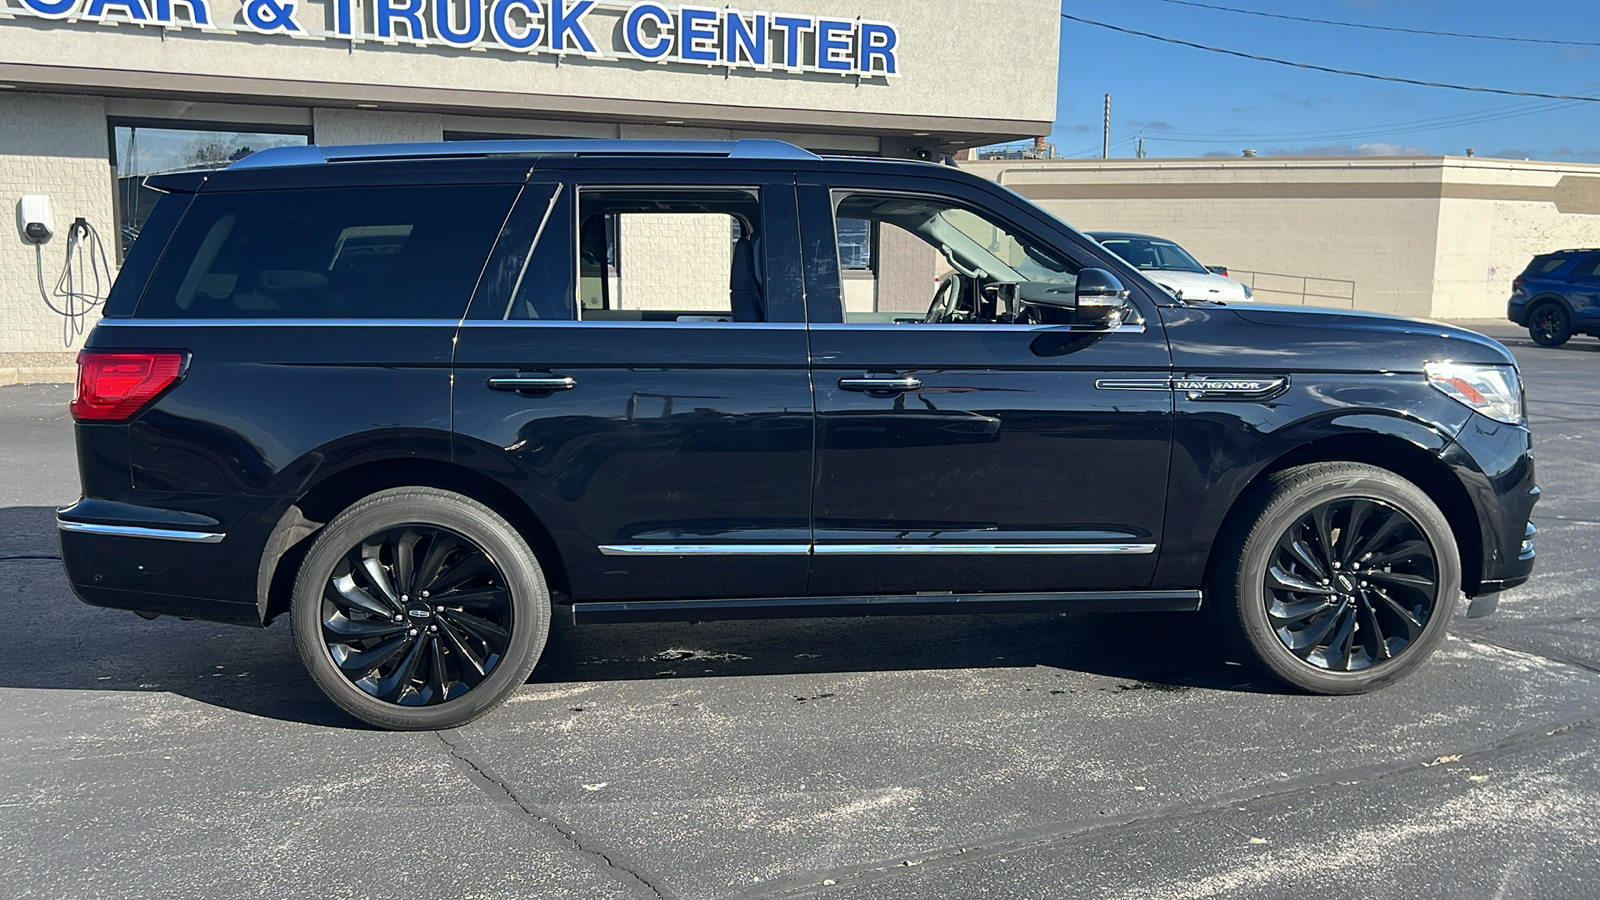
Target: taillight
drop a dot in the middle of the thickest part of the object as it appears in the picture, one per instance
(1516, 286)
(113, 385)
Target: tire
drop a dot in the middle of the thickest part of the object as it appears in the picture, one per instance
(393, 660)
(1549, 324)
(1368, 612)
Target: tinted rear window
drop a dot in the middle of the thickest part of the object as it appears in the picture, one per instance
(1544, 265)
(383, 253)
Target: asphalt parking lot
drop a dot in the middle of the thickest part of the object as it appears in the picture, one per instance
(1010, 756)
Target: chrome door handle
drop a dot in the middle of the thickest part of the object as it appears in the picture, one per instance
(884, 385)
(534, 383)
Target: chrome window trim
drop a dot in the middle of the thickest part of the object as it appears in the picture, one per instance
(137, 531)
(875, 549)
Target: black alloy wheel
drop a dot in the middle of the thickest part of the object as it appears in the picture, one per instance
(1550, 325)
(416, 615)
(418, 609)
(1353, 585)
(1336, 578)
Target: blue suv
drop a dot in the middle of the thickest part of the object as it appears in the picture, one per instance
(1557, 296)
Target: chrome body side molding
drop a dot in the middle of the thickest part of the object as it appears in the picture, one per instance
(136, 531)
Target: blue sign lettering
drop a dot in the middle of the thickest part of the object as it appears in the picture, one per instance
(271, 16)
(444, 23)
(199, 12)
(387, 13)
(134, 9)
(877, 48)
(343, 18)
(649, 30)
(633, 31)
(565, 21)
(834, 53)
(793, 27)
(744, 43)
(511, 35)
(51, 9)
(697, 34)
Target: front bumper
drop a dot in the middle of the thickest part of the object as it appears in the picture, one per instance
(1494, 463)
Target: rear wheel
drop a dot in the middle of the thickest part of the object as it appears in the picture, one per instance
(1549, 325)
(418, 608)
(1344, 580)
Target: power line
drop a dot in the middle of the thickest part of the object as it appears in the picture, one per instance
(1393, 79)
(1370, 27)
(1458, 120)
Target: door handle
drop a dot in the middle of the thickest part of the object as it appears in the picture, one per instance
(881, 385)
(534, 383)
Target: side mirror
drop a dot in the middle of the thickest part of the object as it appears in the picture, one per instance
(1102, 301)
(1098, 301)
(1218, 270)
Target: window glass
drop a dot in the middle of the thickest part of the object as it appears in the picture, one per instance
(139, 151)
(1587, 268)
(940, 262)
(380, 253)
(692, 256)
(855, 244)
(1153, 254)
(1544, 265)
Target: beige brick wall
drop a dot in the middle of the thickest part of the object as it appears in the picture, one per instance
(673, 261)
(368, 126)
(1438, 237)
(54, 145)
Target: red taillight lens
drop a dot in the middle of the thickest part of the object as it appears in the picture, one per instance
(113, 385)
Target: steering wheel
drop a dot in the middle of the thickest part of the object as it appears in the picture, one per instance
(945, 298)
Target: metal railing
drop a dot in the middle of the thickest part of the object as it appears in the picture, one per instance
(1302, 290)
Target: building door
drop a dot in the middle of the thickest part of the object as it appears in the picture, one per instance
(962, 452)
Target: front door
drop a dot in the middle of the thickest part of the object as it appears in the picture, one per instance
(961, 452)
(640, 380)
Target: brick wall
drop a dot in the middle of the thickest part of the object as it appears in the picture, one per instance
(367, 126)
(54, 145)
(675, 261)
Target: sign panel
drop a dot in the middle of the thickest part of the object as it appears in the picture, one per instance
(647, 31)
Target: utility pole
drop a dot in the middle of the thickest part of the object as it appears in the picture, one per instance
(1138, 151)
(1105, 152)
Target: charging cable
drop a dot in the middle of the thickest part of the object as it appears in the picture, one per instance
(84, 282)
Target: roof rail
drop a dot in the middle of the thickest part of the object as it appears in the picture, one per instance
(312, 154)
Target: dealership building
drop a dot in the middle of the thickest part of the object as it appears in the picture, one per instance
(97, 94)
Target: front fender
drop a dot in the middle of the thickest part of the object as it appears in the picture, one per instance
(1221, 447)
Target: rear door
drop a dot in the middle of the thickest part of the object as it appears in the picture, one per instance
(1584, 295)
(634, 367)
(972, 456)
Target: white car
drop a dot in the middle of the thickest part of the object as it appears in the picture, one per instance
(1171, 266)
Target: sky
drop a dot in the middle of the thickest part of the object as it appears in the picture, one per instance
(1188, 102)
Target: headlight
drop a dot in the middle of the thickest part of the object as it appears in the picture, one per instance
(1248, 294)
(1494, 391)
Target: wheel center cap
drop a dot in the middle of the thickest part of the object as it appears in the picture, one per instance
(419, 610)
(1346, 584)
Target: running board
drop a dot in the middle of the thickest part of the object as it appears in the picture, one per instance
(612, 612)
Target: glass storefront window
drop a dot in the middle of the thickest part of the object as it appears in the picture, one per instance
(138, 151)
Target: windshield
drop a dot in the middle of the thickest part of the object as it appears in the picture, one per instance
(1153, 254)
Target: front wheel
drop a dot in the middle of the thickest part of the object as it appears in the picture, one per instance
(1344, 580)
(419, 609)
(1550, 325)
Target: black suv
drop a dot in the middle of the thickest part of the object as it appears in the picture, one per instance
(1557, 296)
(417, 397)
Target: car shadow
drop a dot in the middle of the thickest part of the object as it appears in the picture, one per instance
(63, 644)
